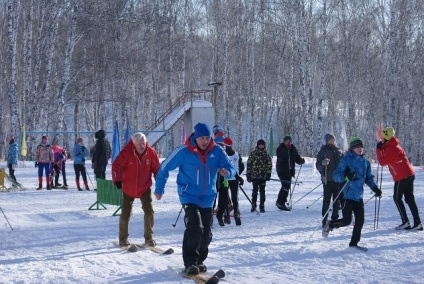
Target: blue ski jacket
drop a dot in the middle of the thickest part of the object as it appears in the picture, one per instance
(196, 179)
(80, 154)
(359, 165)
(12, 154)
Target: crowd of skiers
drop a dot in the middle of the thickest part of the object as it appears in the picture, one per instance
(50, 160)
(210, 169)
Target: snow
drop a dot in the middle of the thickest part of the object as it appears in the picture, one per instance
(56, 239)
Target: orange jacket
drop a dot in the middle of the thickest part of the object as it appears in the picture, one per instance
(135, 170)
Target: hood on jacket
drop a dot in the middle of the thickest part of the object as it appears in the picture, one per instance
(100, 134)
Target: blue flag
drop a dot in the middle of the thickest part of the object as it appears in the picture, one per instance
(127, 134)
(116, 147)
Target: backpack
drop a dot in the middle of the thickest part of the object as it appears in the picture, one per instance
(241, 165)
(108, 149)
(92, 151)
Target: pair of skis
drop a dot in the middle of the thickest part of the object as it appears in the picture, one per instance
(135, 247)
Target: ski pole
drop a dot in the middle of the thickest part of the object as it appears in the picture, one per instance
(378, 210)
(86, 173)
(375, 212)
(306, 194)
(379, 200)
(175, 224)
(369, 199)
(6, 219)
(307, 207)
(257, 213)
(289, 204)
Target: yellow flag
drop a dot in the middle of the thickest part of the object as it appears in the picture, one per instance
(24, 145)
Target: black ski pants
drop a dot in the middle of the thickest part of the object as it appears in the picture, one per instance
(223, 200)
(258, 185)
(349, 207)
(331, 192)
(197, 235)
(405, 187)
(234, 194)
(285, 188)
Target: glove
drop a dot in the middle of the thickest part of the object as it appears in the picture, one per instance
(348, 174)
(377, 191)
(325, 162)
(380, 145)
(36, 164)
(118, 184)
(302, 161)
(240, 180)
(249, 178)
(268, 177)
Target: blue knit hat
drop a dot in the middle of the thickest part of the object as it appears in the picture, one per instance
(219, 139)
(202, 129)
(217, 128)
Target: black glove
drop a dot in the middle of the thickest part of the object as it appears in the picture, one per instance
(36, 164)
(302, 161)
(380, 145)
(377, 191)
(240, 180)
(118, 184)
(348, 174)
(249, 178)
(268, 177)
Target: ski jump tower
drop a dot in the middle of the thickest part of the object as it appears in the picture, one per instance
(193, 106)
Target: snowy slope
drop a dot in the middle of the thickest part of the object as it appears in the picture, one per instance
(56, 239)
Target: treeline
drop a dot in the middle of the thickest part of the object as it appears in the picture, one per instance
(298, 67)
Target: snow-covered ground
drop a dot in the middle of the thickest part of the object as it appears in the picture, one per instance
(56, 239)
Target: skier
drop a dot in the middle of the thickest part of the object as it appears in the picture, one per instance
(132, 172)
(390, 153)
(101, 155)
(356, 168)
(199, 160)
(237, 180)
(287, 156)
(327, 160)
(43, 157)
(258, 172)
(12, 158)
(80, 154)
(56, 169)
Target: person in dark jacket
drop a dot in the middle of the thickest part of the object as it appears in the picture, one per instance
(356, 168)
(80, 154)
(132, 172)
(258, 172)
(390, 153)
(287, 156)
(199, 161)
(12, 158)
(327, 160)
(101, 154)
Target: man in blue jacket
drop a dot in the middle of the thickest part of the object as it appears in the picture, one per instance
(199, 161)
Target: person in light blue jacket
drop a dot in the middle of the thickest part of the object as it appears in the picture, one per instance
(80, 154)
(199, 160)
(12, 157)
(356, 168)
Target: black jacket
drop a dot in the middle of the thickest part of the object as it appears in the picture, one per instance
(286, 159)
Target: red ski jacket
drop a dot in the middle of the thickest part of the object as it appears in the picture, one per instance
(135, 170)
(392, 155)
